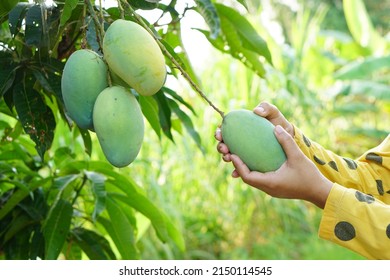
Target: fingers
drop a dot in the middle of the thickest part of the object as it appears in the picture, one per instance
(218, 134)
(288, 144)
(267, 110)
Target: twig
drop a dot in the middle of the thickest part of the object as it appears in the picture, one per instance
(166, 53)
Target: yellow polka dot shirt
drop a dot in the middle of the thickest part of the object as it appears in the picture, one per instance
(357, 211)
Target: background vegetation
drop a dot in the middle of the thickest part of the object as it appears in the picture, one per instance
(326, 71)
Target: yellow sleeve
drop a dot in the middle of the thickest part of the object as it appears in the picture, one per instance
(370, 173)
(357, 212)
(358, 222)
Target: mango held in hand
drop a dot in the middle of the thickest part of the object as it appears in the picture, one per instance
(119, 125)
(133, 54)
(252, 138)
(83, 78)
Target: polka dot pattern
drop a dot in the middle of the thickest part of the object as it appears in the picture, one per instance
(362, 197)
(333, 165)
(307, 141)
(375, 158)
(351, 163)
(318, 160)
(388, 231)
(379, 186)
(344, 231)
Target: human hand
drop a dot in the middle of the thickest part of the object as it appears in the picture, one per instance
(297, 178)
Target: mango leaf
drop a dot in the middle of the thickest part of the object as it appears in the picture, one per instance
(69, 6)
(56, 228)
(16, 17)
(19, 223)
(86, 136)
(238, 51)
(6, 6)
(143, 205)
(362, 69)
(144, 4)
(95, 246)
(37, 244)
(208, 11)
(248, 34)
(99, 191)
(64, 185)
(20, 194)
(173, 94)
(120, 229)
(186, 120)
(7, 73)
(36, 117)
(164, 113)
(34, 26)
(243, 2)
(361, 27)
(149, 108)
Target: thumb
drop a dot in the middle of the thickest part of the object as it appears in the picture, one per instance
(288, 144)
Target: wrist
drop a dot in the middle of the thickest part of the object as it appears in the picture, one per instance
(321, 193)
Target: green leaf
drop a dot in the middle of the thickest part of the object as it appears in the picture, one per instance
(95, 246)
(56, 228)
(243, 2)
(247, 33)
(69, 6)
(36, 117)
(164, 113)
(65, 186)
(237, 50)
(178, 98)
(361, 27)
(16, 17)
(143, 205)
(120, 229)
(6, 6)
(208, 11)
(19, 222)
(362, 69)
(20, 194)
(99, 191)
(34, 26)
(143, 4)
(86, 136)
(149, 108)
(7, 72)
(186, 120)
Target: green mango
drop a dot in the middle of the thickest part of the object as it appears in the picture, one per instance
(119, 125)
(134, 55)
(83, 78)
(252, 138)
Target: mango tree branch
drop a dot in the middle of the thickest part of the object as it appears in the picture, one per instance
(127, 7)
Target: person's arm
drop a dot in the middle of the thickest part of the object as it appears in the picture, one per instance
(368, 173)
(357, 221)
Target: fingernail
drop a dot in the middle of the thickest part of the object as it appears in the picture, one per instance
(260, 109)
(278, 129)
